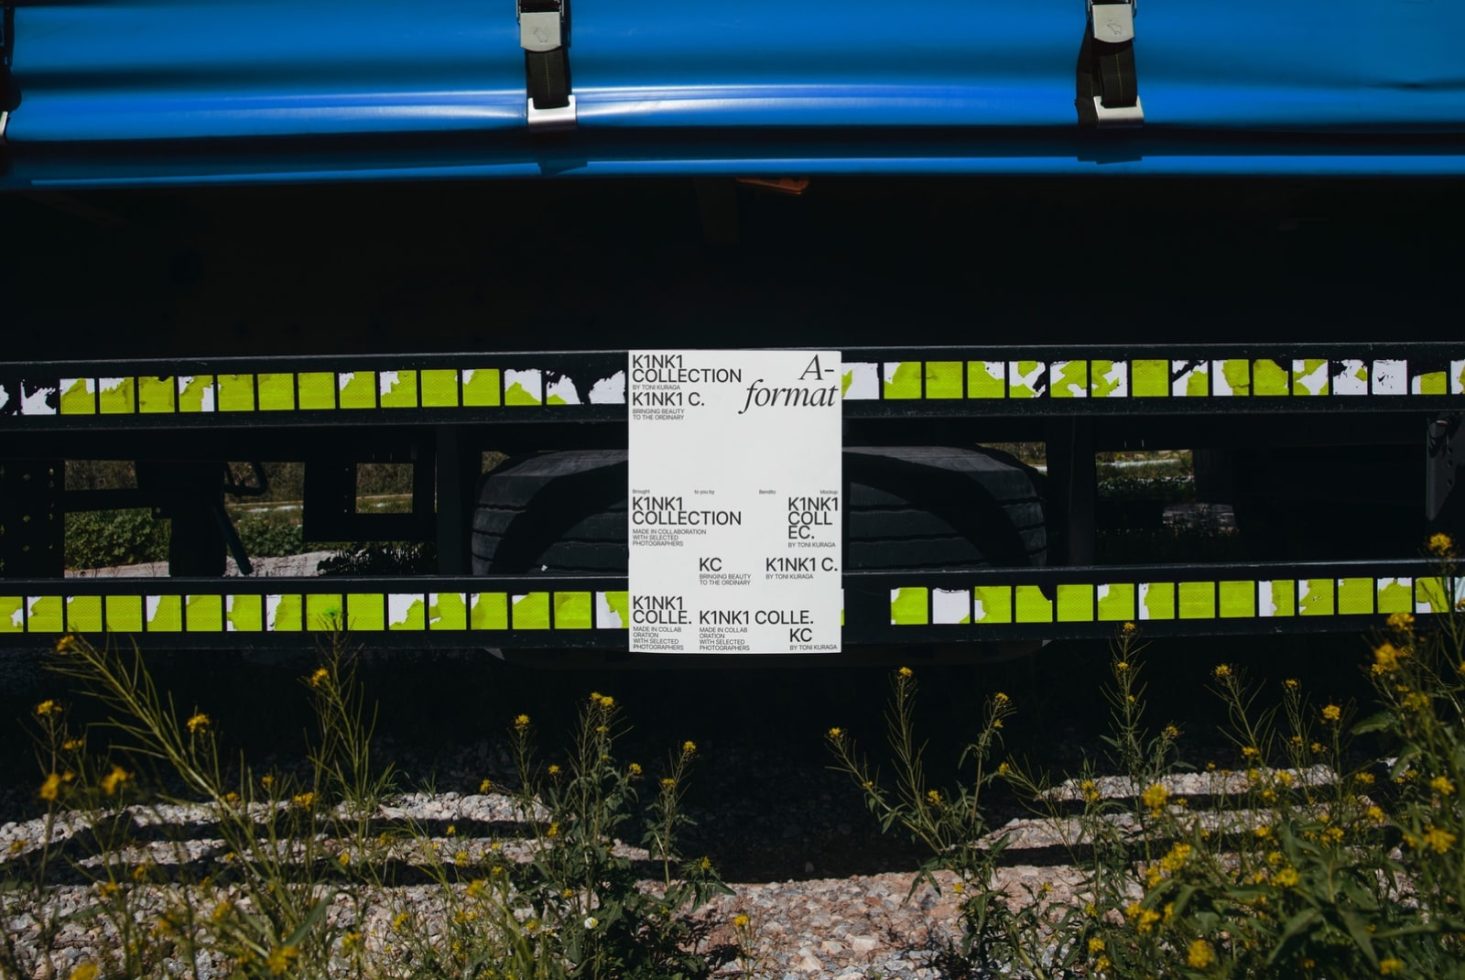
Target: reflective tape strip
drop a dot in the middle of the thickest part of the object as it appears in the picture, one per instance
(1118, 602)
(407, 389)
(365, 612)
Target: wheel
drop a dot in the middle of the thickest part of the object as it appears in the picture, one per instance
(909, 507)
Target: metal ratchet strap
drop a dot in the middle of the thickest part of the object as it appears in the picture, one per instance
(544, 37)
(1108, 85)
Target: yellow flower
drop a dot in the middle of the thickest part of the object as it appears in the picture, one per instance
(1317, 748)
(1442, 785)
(267, 780)
(835, 734)
(959, 887)
(65, 644)
(634, 770)
(1222, 671)
(231, 798)
(1375, 814)
(689, 747)
(304, 800)
(1129, 629)
(1147, 920)
(16, 846)
(933, 796)
(221, 911)
(1000, 699)
(1292, 684)
(905, 673)
(740, 921)
(554, 770)
(476, 887)
(47, 708)
(1175, 860)
(108, 889)
(1250, 751)
(1364, 778)
(1003, 769)
(705, 864)
(85, 970)
(1401, 621)
(485, 785)
(1392, 965)
(1102, 963)
(1171, 732)
(72, 745)
(1416, 701)
(1200, 955)
(344, 859)
(1438, 839)
(320, 676)
(400, 920)
(1288, 877)
(351, 941)
(114, 780)
(198, 723)
(1332, 712)
(1122, 666)
(554, 829)
(1154, 797)
(521, 722)
(1090, 791)
(281, 958)
(1441, 544)
(668, 783)
(50, 789)
(1096, 945)
(1263, 832)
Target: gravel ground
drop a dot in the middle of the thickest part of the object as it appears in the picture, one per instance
(824, 890)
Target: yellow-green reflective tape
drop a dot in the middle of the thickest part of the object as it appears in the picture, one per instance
(117, 396)
(1116, 602)
(902, 380)
(43, 614)
(1231, 377)
(124, 613)
(1150, 378)
(196, 393)
(447, 611)
(317, 390)
(1031, 605)
(1430, 383)
(1197, 600)
(1315, 597)
(236, 392)
(943, 379)
(1395, 595)
(276, 392)
(910, 607)
(156, 396)
(1268, 378)
(613, 610)
(1431, 596)
(356, 389)
(407, 611)
(366, 611)
(1157, 600)
(1191, 379)
(1069, 379)
(439, 388)
(12, 614)
(164, 613)
(284, 613)
(1277, 597)
(1026, 379)
(985, 379)
(480, 387)
(398, 389)
(1355, 596)
(325, 612)
(488, 611)
(1310, 376)
(1238, 599)
(573, 611)
(523, 388)
(1075, 603)
(1109, 379)
(205, 613)
(244, 613)
(531, 611)
(83, 614)
(992, 604)
(78, 396)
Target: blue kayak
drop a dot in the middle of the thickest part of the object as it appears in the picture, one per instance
(116, 92)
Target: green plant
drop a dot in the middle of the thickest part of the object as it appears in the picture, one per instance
(99, 539)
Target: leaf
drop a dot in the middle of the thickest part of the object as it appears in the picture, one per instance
(314, 916)
(1296, 925)
(1361, 938)
(1377, 722)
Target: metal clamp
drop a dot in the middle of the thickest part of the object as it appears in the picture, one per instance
(543, 35)
(1108, 88)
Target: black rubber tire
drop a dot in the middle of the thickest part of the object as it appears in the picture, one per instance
(909, 507)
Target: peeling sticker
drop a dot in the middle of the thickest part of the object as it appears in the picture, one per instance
(609, 391)
(561, 391)
(37, 401)
(1350, 378)
(1390, 377)
(950, 606)
(861, 382)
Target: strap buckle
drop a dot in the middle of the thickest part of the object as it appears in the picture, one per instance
(543, 35)
(541, 24)
(1108, 87)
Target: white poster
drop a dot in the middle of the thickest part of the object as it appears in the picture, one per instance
(736, 515)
